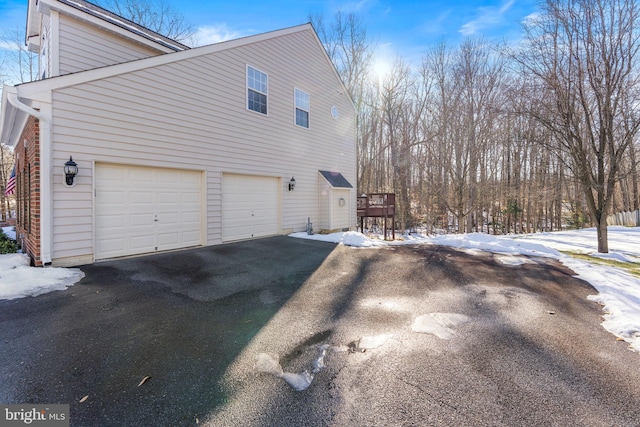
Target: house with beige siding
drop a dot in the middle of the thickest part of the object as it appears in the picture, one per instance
(174, 147)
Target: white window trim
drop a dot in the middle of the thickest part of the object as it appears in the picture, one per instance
(295, 107)
(247, 88)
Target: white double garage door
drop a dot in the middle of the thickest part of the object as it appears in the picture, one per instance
(143, 210)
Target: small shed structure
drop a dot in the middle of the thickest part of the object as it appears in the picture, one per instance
(334, 201)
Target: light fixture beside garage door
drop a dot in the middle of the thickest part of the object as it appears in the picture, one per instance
(70, 171)
(292, 184)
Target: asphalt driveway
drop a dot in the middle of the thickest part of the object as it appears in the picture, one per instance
(416, 335)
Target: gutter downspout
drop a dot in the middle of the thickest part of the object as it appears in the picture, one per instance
(46, 230)
(13, 99)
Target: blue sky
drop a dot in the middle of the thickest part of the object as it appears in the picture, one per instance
(405, 27)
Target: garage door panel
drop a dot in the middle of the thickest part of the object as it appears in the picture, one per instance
(112, 221)
(141, 198)
(141, 243)
(113, 197)
(191, 181)
(139, 175)
(191, 236)
(140, 220)
(189, 217)
(141, 210)
(190, 197)
(168, 218)
(169, 238)
(110, 245)
(250, 206)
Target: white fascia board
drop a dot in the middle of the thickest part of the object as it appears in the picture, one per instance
(47, 5)
(12, 120)
(34, 18)
(54, 55)
(41, 88)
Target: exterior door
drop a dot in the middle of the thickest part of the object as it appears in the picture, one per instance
(142, 210)
(250, 207)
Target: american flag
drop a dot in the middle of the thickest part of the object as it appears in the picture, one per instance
(11, 184)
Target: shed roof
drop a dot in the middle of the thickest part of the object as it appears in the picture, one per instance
(336, 179)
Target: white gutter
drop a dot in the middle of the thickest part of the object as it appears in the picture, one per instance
(46, 230)
(15, 101)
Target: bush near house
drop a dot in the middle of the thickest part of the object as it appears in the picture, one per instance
(7, 244)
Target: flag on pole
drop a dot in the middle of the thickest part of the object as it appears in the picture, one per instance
(11, 184)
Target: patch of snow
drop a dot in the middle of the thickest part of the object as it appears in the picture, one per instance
(349, 238)
(298, 381)
(439, 324)
(615, 256)
(18, 279)
(513, 259)
(374, 341)
(10, 232)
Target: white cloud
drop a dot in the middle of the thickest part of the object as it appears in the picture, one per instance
(8, 45)
(487, 17)
(506, 6)
(355, 6)
(215, 34)
(531, 18)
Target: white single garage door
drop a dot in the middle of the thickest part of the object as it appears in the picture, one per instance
(141, 210)
(250, 206)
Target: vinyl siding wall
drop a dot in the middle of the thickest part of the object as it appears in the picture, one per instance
(84, 47)
(192, 115)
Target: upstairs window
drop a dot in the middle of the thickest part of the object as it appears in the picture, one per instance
(302, 108)
(256, 90)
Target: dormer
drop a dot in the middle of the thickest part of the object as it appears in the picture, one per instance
(75, 35)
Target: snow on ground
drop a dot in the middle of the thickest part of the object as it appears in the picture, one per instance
(18, 279)
(618, 290)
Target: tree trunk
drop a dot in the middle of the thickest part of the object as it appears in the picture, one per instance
(601, 228)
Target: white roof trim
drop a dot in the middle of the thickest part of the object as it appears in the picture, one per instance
(100, 18)
(33, 89)
(41, 90)
(13, 119)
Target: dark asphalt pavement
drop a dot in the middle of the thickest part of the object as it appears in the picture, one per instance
(412, 336)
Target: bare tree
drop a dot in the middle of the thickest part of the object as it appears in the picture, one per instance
(157, 15)
(583, 54)
(347, 44)
(18, 65)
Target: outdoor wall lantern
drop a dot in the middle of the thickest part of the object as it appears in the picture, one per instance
(70, 171)
(292, 184)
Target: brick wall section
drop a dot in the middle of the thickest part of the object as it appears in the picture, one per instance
(28, 190)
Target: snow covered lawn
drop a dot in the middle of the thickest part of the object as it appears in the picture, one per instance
(618, 290)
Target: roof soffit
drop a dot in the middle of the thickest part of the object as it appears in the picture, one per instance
(32, 31)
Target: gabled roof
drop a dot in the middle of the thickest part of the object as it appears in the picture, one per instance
(40, 90)
(97, 16)
(336, 179)
(27, 90)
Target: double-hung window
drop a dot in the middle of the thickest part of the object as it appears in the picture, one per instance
(256, 90)
(302, 108)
